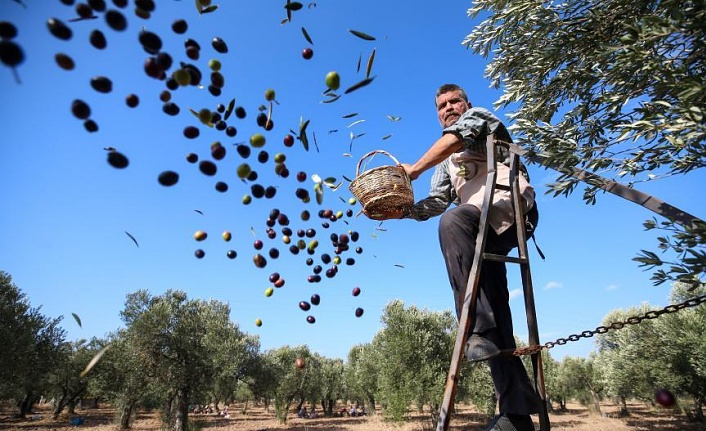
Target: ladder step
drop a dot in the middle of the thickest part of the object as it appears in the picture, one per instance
(502, 187)
(503, 258)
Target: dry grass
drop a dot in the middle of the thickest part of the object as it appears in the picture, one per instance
(577, 418)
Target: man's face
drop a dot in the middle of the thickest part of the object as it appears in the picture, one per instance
(449, 107)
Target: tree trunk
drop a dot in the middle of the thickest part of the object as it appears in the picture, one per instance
(331, 405)
(126, 415)
(24, 407)
(597, 402)
(181, 416)
(698, 410)
(59, 405)
(623, 407)
(371, 405)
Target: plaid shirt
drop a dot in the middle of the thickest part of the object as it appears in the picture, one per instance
(472, 128)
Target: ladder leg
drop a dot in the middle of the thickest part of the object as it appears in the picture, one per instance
(470, 297)
(528, 291)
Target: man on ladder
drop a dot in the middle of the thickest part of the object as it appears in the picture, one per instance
(459, 158)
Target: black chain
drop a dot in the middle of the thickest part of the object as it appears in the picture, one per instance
(634, 320)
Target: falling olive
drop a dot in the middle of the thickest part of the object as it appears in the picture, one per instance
(207, 167)
(64, 61)
(231, 254)
(259, 260)
(305, 306)
(7, 30)
(219, 45)
(311, 319)
(164, 60)
(191, 132)
(90, 126)
(221, 187)
(117, 160)
(358, 312)
(199, 254)
(132, 100)
(315, 299)
(80, 109)
(116, 20)
(10, 53)
(84, 11)
(97, 39)
(102, 84)
(97, 5)
(59, 29)
(179, 26)
(150, 42)
(168, 178)
(171, 108)
(192, 158)
(145, 5)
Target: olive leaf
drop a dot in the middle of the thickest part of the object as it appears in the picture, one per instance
(358, 85)
(355, 122)
(350, 115)
(92, 363)
(333, 98)
(306, 36)
(360, 58)
(393, 118)
(386, 137)
(361, 35)
(370, 64)
(209, 9)
(77, 319)
(302, 133)
(319, 193)
(229, 109)
(132, 238)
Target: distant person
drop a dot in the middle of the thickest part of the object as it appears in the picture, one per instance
(460, 160)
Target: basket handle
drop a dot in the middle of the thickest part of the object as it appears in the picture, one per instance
(357, 168)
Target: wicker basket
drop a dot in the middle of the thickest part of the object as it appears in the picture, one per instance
(382, 188)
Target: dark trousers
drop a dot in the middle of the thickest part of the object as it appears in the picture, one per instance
(458, 229)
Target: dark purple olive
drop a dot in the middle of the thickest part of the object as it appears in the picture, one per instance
(168, 178)
(117, 160)
(315, 299)
(59, 29)
(304, 305)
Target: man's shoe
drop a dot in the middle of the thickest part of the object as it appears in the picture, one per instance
(517, 423)
(480, 349)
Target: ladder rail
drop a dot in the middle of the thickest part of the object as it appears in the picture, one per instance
(470, 295)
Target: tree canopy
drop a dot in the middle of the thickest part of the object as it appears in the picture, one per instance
(614, 87)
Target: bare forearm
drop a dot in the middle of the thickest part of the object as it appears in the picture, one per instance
(440, 150)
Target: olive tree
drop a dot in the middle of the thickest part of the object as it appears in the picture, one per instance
(362, 374)
(32, 345)
(181, 344)
(612, 87)
(415, 347)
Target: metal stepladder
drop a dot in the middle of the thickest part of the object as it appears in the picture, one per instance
(472, 290)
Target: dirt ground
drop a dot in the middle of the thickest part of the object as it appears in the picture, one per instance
(642, 418)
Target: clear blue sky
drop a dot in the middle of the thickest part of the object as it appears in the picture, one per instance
(65, 211)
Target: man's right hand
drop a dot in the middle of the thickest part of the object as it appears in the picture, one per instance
(384, 215)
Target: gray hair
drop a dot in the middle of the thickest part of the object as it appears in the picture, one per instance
(450, 87)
